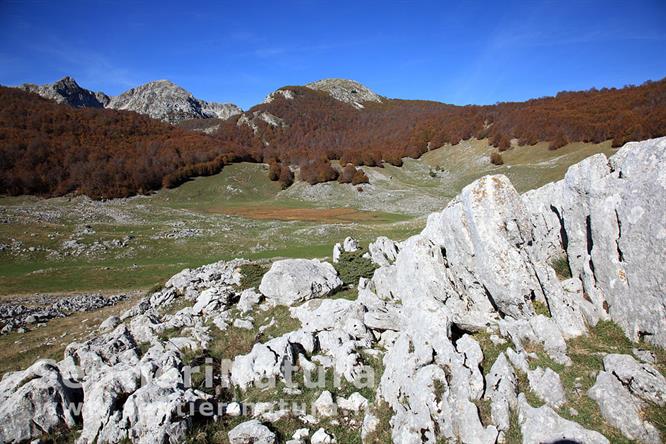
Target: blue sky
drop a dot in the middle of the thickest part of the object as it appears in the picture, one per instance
(456, 52)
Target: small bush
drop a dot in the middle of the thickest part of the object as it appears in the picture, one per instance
(496, 158)
(251, 275)
(352, 266)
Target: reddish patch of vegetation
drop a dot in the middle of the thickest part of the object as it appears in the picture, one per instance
(52, 149)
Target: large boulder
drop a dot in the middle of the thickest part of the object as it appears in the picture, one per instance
(37, 401)
(291, 281)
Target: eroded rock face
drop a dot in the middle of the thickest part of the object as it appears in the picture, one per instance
(36, 401)
(296, 280)
(613, 230)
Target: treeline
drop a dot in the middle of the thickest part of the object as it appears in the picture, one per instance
(51, 149)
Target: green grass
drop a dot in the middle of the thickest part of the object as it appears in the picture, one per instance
(586, 353)
(490, 350)
(540, 308)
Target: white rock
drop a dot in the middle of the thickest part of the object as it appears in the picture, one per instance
(621, 410)
(234, 409)
(244, 324)
(321, 436)
(337, 251)
(251, 432)
(501, 385)
(248, 299)
(36, 401)
(370, 424)
(296, 280)
(350, 245)
(642, 379)
(546, 385)
(354, 403)
(383, 251)
(541, 425)
(324, 405)
(109, 323)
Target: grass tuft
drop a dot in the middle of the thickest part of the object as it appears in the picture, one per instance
(561, 267)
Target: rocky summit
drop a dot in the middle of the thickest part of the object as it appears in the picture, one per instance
(164, 100)
(534, 318)
(67, 91)
(348, 91)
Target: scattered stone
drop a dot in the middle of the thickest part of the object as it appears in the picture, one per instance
(546, 385)
(251, 432)
(325, 406)
(321, 436)
(233, 409)
(354, 403)
(244, 324)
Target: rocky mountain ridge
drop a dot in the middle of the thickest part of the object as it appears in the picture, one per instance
(164, 100)
(67, 91)
(469, 313)
(160, 99)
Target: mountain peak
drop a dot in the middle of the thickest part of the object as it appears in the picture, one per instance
(164, 100)
(67, 91)
(345, 90)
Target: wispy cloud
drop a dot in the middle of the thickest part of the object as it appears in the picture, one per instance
(90, 67)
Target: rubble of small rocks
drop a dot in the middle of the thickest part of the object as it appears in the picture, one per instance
(481, 266)
(15, 315)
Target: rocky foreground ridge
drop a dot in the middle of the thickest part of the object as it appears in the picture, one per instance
(472, 334)
(160, 99)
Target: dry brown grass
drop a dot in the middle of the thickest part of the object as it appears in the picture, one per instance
(20, 350)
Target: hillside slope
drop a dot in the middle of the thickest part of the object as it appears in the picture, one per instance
(54, 149)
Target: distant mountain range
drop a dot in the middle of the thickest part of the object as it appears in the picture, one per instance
(160, 99)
